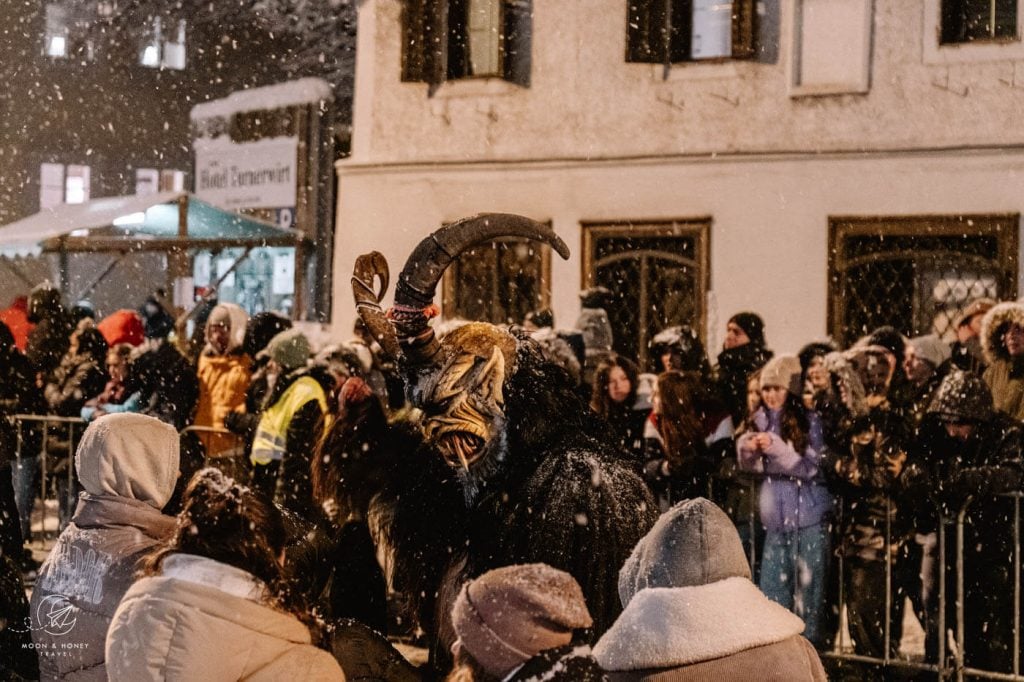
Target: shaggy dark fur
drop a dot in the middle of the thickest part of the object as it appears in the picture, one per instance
(564, 496)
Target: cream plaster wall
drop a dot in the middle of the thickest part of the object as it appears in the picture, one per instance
(585, 101)
(769, 235)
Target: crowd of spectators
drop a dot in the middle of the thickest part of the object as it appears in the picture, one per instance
(223, 485)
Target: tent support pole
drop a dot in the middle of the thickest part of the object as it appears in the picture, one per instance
(177, 256)
(17, 272)
(65, 276)
(103, 275)
(182, 319)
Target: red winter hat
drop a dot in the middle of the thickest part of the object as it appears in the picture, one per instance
(123, 326)
(509, 615)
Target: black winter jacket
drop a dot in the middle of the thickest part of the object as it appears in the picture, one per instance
(864, 468)
(167, 383)
(18, 395)
(735, 366)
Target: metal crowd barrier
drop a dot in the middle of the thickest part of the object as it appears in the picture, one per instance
(76, 426)
(47, 421)
(950, 662)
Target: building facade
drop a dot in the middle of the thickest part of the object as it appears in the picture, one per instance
(830, 165)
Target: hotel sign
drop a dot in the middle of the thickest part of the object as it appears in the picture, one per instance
(260, 174)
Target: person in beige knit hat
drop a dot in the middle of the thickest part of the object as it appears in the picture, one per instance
(967, 353)
(783, 442)
(518, 622)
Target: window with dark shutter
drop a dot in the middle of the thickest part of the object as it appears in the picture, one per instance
(965, 21)
(672, 31)
(518, 25)
(456, 39)
(647, 29)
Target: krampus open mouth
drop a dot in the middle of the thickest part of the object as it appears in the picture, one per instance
(460, 448)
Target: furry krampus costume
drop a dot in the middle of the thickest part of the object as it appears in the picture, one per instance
(513, 467)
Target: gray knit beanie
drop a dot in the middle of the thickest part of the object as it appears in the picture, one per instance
(784, 371)
(290, 349)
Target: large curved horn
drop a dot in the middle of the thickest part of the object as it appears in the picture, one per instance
(427, 263)
(368, 267)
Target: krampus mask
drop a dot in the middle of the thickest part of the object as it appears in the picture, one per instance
(458, 382)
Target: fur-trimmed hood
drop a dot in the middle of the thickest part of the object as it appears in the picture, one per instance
(667, 627)
(994, 324)
(845, 376)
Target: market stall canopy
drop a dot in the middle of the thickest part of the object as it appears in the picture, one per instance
(155, 222)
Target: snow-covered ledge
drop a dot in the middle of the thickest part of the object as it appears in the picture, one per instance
(277, 96)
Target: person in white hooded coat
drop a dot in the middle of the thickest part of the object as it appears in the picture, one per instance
(215, 602)
(128, 465)
(691, 612)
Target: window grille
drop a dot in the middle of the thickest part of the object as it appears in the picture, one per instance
(498, 282)
(657, 273)
(916, 273)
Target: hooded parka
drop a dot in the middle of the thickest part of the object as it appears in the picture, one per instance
(692, 613)
(49, 339)
(1005, 374)
(950, 474)
(127, 464)
(207, 620)
(224, 377)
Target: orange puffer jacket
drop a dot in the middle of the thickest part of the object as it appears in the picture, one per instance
(223, 381)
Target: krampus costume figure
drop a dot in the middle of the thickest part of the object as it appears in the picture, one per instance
(513, 469)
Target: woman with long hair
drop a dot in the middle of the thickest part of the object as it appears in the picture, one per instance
(686, 427)
(214, 601)
(784, 442)
(614, 399)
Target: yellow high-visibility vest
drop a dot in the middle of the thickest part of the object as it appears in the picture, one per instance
(272, 432)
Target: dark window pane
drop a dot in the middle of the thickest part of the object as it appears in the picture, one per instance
(655, 283)
(646, 25)
(497, 282)
(969, 20)
(684, 30)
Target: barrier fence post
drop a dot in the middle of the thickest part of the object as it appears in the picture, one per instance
(42, 485)
(887, 547)
(960, 628)
(1016, 584)
(71, 496)
(753, 527)
(21, 466)
(842, 582)
(941, 662)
